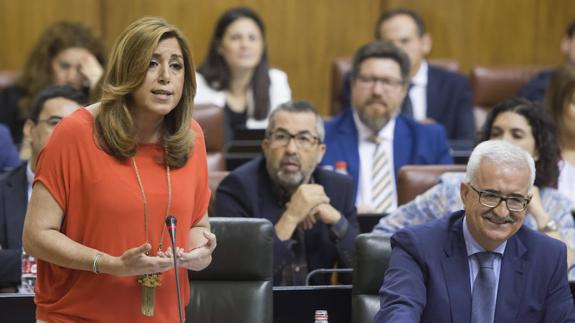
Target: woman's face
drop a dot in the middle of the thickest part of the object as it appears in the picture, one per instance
(162, 88)
(67, 67)
(514, 128)
(242, 45)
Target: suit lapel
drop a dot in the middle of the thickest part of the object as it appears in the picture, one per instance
(348, 137)
(15, 203)
(511, 281)
(456, 273)
(402, 144)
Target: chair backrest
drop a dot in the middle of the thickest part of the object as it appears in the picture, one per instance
(341, 67)
(491, 85)
(237, 286)
(8, 78)
(416, 179)
(372, 254)
(212, 120)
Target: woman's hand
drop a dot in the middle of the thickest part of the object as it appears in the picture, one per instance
(198, 258)
(135, 262)
(536, 209)
(91, 69)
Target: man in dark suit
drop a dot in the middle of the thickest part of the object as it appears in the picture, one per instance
(379, 78)
(51, 105)
(435, 94)
(480, 265)
(535, 89)
(312, 209)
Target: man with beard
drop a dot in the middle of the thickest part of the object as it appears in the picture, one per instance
(373, 139)
(480, 265)
(435, 94)
(312, 209)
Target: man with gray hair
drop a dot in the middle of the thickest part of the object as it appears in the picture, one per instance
(480, 264)
(312, 210)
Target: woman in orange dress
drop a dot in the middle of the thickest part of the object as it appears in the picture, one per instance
(108, 178)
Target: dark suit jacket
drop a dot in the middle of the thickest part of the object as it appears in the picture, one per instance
(9, 157)
(247, 192)
(535, 89)
(428, 277)
(413, 143)
(13, 203)
(10, 112)
(449, 102)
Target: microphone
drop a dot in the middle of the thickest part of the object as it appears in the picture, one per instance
(171, 226)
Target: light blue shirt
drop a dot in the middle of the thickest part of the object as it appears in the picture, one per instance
(474, 247)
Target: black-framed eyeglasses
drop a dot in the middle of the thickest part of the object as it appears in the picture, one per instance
(388, 82)
(492, 200)
(303, 140)
(51, 121)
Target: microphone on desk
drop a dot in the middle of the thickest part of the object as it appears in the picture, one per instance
(171, 226)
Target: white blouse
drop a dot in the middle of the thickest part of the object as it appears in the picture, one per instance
(280, 92)
(567, 180)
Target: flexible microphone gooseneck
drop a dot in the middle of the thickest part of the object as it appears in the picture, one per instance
(171, 226)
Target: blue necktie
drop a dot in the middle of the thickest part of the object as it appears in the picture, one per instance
(483, 296)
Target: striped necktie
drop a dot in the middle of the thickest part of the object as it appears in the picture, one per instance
(483, 296)
(381, 185)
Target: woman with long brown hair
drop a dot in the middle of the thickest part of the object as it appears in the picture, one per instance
(107, 180)
(236, 75)
(560, 102)
(67, 53)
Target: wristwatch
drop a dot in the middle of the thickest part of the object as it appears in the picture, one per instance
(550, 226)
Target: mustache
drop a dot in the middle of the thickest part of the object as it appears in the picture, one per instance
(376, 99)
(497, 219)
(291, 159)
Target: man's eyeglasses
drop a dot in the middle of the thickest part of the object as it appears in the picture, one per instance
(387, 82)
(303, 140)
(492, 200)
(51, 121)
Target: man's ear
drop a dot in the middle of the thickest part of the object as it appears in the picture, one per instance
(27, 129)
(565, 44)
(427, 43)
(320, 153)
(463, 192)
(265, 146)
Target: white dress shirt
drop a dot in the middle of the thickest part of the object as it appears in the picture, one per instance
(566, 183)
(30, 178)
(280, 92)
(418, 92)
(366, 151)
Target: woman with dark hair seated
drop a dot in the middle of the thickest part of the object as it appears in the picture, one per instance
(236, 75)
(527, 125)
(560, 102)
(67, 53)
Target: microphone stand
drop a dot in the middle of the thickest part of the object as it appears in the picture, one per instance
(171, 225)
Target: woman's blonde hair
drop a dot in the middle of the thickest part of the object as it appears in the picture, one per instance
(127, 68)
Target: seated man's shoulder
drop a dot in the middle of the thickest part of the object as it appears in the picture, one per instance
(446, 76)
(333, 178)
(423, 130)
(246, 172)
(537, 241)
(429, 233)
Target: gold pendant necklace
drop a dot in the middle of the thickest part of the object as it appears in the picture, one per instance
(149, 282)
